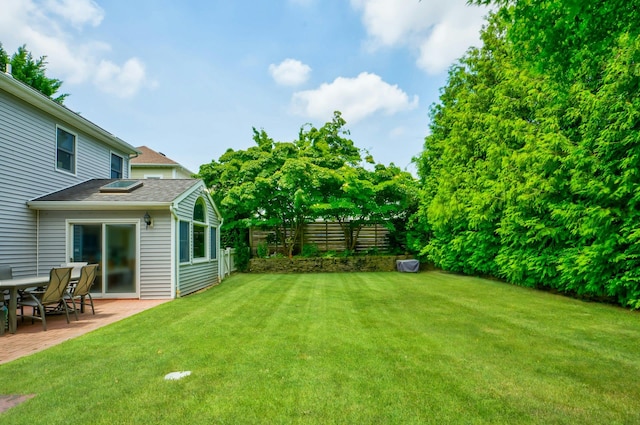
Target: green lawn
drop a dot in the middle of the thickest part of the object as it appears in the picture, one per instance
(361, 348)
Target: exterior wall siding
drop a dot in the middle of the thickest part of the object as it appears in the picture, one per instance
(165, 172)
(28, 155)
(154, 245)
(155, 253)
(198, 274)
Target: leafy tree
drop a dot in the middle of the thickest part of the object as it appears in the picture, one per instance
(274, 184)
(32, 72)
(531, 169)
(568, 39)
(4, 59)
(281, 186)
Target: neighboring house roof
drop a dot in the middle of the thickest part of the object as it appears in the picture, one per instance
(150, 158)
(38, 100)
(88, 195)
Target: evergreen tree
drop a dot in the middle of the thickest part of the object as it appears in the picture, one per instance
(32, 72)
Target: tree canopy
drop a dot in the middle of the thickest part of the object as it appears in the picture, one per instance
(531, 169)
(32, 72)
(283, 185)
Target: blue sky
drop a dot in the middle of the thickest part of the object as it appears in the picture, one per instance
(191, 78)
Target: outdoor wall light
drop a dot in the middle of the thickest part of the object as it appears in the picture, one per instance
(147, 219)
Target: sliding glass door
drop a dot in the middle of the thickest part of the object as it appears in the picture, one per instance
(113, 247)
(87, 247)
(119, 268)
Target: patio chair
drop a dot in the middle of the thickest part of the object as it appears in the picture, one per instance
(82, 289)
(76, 268)
(50, 299)
(6, 273)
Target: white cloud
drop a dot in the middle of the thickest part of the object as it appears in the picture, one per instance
(53, 28)
(438, 31)
(123, 81)
(356, 98)
(77, 12)
(290, 72)
(398, 132)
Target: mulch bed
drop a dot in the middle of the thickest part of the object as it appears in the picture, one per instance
(8, 401)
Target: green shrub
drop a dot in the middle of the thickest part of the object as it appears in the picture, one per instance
(310, 250)
(243, 254)
(262, 250)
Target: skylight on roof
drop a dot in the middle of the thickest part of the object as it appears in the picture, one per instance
(121, 186)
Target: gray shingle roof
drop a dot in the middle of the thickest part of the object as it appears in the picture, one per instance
(151, 191)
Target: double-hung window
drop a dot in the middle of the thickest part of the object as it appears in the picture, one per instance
(116, 166)
(65, 151)
(184, 241)
(196, 239)
(199, 230)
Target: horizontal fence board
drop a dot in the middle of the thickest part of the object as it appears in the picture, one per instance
(326, 236)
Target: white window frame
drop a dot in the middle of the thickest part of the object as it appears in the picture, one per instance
(103, 222)
(205, 226)
(188, 260)
(74, 153)
(122, 175)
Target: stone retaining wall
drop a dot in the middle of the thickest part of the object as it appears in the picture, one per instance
(318, 265)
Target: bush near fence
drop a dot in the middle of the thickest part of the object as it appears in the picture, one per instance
(367, 263)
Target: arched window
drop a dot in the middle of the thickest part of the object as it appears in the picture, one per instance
(200, 211)
(200, 229)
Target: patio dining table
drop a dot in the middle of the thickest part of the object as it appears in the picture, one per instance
(15, 284)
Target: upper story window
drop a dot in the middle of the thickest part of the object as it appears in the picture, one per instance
(66, 151)
(116, 166)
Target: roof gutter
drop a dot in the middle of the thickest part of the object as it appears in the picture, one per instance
(34, 97)
(95, 205)
(175, 264)
(132, 156)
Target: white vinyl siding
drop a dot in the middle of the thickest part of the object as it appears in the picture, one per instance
(155, 278)
(166, 172)
(203, 272)
(28, 158)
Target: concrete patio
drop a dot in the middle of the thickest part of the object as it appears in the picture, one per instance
(30, 338)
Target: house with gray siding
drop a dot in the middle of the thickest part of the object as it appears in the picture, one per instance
(67, 196)
(156, 165)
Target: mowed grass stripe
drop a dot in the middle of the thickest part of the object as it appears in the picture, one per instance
(346, 348)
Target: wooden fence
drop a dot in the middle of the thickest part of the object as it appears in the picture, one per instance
(326, 236)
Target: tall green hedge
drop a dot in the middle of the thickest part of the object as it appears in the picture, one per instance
(534, 177)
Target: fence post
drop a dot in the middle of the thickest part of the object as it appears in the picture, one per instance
(326, 235)
(227, 254)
